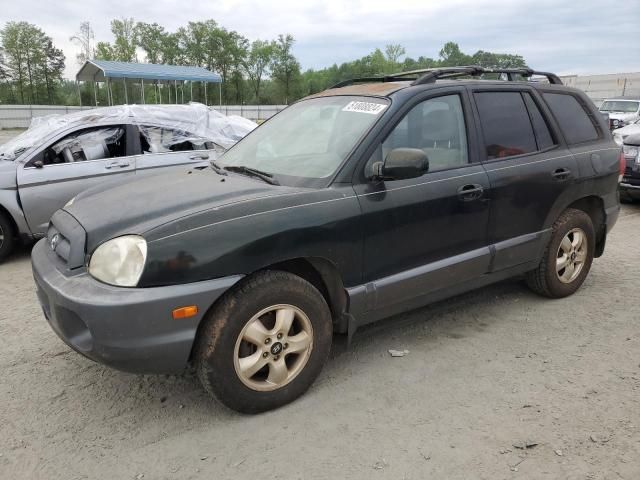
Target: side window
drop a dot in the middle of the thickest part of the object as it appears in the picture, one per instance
(165, 140)
(540, 127)
(436, 126)
(574, 120)
(88, 144)
(505, 123)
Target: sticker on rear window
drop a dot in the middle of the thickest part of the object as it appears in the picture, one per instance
(364, 107)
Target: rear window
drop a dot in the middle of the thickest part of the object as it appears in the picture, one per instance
(574, 120)
(505, 124)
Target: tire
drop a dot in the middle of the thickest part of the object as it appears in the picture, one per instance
(229, 331)
(626, 197)
(7, 236)
(546, 279)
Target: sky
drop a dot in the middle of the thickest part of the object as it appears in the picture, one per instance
(570, 37)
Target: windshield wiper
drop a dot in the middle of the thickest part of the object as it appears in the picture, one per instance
(217, 168)
(267, 177)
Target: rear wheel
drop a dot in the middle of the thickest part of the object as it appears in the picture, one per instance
(7, 236)
(264, 343)
(567, 258)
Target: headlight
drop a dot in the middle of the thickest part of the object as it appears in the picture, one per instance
(618, 139)
(119, 261)
(630, 151)
(69, 203)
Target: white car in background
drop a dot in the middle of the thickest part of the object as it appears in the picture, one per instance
(60, 156)
(622, 111)
(620, 134)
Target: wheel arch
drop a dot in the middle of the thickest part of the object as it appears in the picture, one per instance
(325, 276)
(593, 206)
(6, 213)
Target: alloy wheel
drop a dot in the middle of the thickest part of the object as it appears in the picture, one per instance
(572, 254)
(273, 347)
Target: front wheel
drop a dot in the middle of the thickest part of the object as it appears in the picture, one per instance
(264, 343)
(7, 236)
(567, 258)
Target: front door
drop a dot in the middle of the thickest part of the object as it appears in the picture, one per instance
(68, 166)
(426, 233)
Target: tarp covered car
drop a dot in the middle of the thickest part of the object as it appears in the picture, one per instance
(61, 155)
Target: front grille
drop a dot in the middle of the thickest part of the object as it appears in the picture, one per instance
(66, 238)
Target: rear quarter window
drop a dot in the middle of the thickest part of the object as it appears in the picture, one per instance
(573, 118)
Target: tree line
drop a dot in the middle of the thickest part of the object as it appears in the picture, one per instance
(262, 71)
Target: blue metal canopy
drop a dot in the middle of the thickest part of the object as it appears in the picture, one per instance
(100, 70)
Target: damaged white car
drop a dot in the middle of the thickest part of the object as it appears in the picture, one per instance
(60, 156)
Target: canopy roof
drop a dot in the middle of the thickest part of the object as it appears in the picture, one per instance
(99, 70)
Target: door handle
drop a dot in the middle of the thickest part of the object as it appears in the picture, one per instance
(117, 163)
(470, 192)
(199, 156)
(561, 174)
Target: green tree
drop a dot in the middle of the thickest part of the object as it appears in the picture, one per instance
(285, 68)
(105, 51)
(451, 56)
(124, 45)
(152, 39)
(393, 54)
(52, 68)
(257, 64)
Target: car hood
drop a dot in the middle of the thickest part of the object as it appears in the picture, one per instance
(621, 133)
(141, 204)
(622, 116)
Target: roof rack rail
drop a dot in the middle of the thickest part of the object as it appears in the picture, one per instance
(430, 75)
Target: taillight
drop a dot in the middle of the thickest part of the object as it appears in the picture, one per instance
(623, 165)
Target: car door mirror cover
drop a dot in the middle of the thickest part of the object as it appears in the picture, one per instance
(401, 164)
(38, 164)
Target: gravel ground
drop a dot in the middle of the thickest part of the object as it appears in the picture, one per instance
(487, 374)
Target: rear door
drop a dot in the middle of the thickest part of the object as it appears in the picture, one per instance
(70, 164)
(530, 170)
(161, 148)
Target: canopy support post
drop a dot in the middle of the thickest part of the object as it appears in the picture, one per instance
(111, 100)
(191, 88)
(182, 90)
(220, 94)
(205, 94)
(79, 94)
(142, 89)
(126, 96)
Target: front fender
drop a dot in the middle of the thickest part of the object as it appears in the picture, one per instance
(245, 237)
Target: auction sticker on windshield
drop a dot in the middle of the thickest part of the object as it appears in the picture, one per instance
(364, 107)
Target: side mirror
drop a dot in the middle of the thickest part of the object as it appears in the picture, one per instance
(401, 164)
(38, 164)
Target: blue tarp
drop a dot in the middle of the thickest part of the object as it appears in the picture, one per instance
(98, 70)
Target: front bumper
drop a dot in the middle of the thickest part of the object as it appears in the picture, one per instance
(130, 329)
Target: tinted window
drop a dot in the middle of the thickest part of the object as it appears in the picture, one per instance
(435, 126)
(505, 124)
(572, 117)
(88, 144)
(540, 127)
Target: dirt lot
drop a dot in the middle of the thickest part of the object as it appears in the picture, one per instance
(486, 373)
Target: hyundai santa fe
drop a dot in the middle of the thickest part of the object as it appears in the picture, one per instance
(372, 198)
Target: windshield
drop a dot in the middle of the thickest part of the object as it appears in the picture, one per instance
(307, 142)
(23, 142)
(623, 106)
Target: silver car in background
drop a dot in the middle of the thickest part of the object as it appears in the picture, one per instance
(60, 156)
